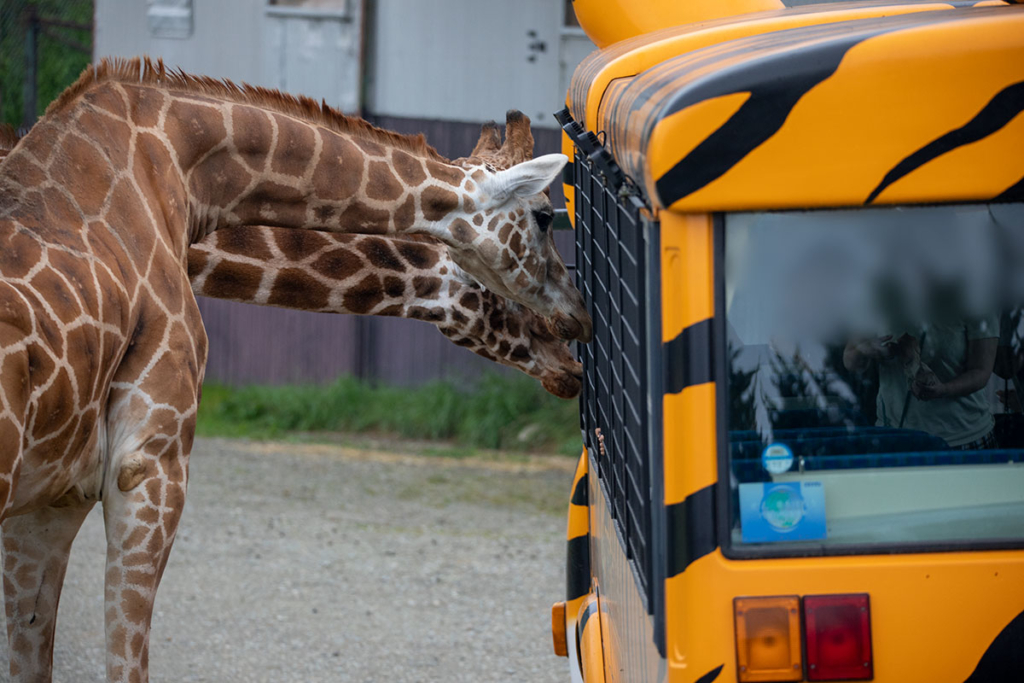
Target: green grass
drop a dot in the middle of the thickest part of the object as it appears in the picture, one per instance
(507, 413)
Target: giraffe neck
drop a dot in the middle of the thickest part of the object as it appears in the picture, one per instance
(214, 162)
(330, 273)
(370, 275)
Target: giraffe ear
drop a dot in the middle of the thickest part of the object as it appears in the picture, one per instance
(528, 178)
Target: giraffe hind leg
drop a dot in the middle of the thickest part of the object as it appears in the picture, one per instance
(36, 547)
(142, 505)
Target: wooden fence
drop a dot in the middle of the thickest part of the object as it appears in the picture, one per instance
(262, 345)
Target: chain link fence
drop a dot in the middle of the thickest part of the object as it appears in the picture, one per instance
(44, 45)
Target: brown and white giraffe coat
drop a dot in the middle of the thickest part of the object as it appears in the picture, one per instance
(408, 278)
(102, 349)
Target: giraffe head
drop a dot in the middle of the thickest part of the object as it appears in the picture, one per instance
(512, 251)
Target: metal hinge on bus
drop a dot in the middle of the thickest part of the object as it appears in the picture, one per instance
(591, 146)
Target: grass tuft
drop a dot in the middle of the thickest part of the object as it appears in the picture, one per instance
(508, 413)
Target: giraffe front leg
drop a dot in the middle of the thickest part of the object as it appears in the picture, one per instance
(141, 508)
(36, 547)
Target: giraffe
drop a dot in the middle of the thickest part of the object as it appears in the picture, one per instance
(430, 287)
(469, 315)
(102, 348)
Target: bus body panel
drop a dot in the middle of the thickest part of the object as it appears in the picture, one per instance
(933, 616)
(636, 55)
(630, 655)
(902, 94)
(893, 118)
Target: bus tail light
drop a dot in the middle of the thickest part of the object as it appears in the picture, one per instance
(768, 638)
(838, 637)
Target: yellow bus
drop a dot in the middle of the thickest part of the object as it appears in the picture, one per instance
(800, 232)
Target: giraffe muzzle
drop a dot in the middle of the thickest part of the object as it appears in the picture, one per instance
(568, 326)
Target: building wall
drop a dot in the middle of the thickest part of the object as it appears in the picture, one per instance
(471, 60)
(227, 39)
(313, 51)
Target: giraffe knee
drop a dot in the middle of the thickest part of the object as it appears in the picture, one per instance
(131, 473)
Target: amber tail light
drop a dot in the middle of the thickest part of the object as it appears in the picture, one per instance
(838, 637)
(768, 638)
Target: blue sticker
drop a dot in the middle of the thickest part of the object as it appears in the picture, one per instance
(793, 511)
(777, 458)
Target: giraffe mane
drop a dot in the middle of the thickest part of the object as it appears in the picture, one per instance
(145, 71)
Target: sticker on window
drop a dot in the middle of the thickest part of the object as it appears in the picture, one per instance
(793, 511)
(777, 458)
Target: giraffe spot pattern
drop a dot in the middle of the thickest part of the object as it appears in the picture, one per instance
(394, 287)
(192, 130)
(252, 132)
(235, 281)
(294, 140)
(409, 169)
(338, 263)
(366, 294)
(244, 243)
(426, 287)
(418, 255)
(438, 202)
(294, 288)
(330, 182)
(446, 174)
(462, 231)
(380, 254)
(298, 244)
(405, 215)
(382, 184)
(359, 217)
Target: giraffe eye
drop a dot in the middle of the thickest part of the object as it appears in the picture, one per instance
(543, 219)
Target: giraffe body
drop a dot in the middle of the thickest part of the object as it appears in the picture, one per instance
(102, 348)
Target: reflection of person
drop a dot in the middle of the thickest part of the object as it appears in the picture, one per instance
(934, 381)
(1010, 361)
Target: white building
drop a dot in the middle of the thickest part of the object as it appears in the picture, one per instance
(406, 61)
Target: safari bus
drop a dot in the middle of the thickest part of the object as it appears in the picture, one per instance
(800, 232)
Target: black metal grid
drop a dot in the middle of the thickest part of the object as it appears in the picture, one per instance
(611, 273)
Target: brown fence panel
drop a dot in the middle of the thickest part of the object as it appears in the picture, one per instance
(261, 345)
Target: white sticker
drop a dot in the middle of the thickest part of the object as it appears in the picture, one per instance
(777, 458)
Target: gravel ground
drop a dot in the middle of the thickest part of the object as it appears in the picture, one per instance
(315, 563)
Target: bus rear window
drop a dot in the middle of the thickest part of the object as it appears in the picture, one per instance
(875, 367)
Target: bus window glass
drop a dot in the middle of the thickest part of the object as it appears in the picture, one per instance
(875, 369)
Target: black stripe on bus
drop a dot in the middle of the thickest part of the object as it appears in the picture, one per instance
(1014, 193)
(587, 613)
(1004, 658)
(688, 358)
(577, 567)
(691, 530)
(775, 83)
(711, 675)
(579, 494)
(999, 111)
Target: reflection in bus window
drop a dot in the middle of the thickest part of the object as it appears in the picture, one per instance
(875, 367)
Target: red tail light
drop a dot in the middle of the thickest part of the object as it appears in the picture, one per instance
(838, 637)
